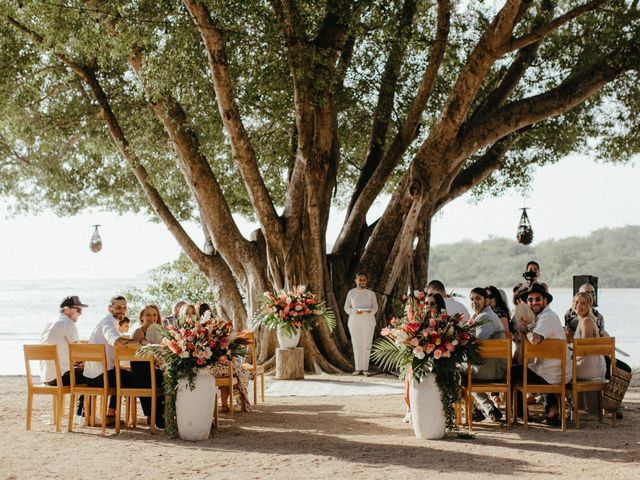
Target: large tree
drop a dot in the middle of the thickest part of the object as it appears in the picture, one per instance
(283, 109)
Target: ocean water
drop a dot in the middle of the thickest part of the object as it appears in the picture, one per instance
(27, 305)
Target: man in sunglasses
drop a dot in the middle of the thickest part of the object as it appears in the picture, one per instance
(543, 370)
(61, 333)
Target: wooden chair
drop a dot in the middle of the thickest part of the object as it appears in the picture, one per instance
(498, 348)
(45, 353)
(548, 349)
(231, 383)
(591, 347)
(128, 354)
(253, 367)
(89, 352)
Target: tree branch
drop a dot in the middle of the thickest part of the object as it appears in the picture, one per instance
(357, 216)
(542, 31)
(572, 91)
(229, 112)
(386, 96)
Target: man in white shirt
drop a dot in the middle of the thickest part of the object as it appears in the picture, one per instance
(453, 306)
(61, 333)
(546, 326)
(106, 332)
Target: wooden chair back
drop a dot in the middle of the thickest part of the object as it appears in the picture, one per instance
(603, 346)
(44, 353)
(546, 349)
(491, 349)
(130, 354)
(252, 366)
(89, 352)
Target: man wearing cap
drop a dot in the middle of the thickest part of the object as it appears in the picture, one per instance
(106, 333)
(546, 326)
(61, 333)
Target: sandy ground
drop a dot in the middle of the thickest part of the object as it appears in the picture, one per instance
(306, 437)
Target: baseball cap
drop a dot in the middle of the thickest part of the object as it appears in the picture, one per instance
(73, 301)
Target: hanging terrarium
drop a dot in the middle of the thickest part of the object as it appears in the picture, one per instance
(96, 241)
(525, 232)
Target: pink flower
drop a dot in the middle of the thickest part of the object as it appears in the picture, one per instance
(430, 347)
(393, 321)
(437, 354)
(223, 359)
(415, 342)
(410, 314)
(200, 361)
(385, 332)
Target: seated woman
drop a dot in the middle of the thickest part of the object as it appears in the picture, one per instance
(149, 316)
(498, 305)
(436, 304)
(187, 310)
(589, 367)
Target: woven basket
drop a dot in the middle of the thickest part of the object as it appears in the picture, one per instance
(616, 388)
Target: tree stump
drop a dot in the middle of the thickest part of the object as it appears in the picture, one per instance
(290, 363)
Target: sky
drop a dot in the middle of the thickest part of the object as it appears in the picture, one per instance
(571, 198)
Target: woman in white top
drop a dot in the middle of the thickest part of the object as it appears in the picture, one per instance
(149, 315)
(361, 305)
(589, 367)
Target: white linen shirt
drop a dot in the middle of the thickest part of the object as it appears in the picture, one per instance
(548, 326)
(106, 333)
(454, 306)
(60, 333)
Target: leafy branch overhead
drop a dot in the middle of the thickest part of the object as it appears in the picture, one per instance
(283, 110)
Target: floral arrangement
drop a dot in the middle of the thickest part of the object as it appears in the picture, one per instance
(297, 308)
(192, 343)
(426, 341)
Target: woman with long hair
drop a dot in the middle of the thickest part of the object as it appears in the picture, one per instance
(589, 367)
(498, 305)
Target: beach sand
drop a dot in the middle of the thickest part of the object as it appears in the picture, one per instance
(306, 437)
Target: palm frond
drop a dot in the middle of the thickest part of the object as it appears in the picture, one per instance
(389, 356)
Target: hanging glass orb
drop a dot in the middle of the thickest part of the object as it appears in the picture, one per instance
(525, 232)
(96, 241)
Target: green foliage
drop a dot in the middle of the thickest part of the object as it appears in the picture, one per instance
(55, 150)
(500, 261)
(170, 283)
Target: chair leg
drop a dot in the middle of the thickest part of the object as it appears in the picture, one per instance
(54, 407)
(60, 409)
(215, 411)
(29, 409)
(134, 413)
(525, 409)
(255, 388)
(118, 413)
(153, 414)
(103, 412)
(262, 382)
(563, 416)
(576, 410)
(507, 408)
(72, 405)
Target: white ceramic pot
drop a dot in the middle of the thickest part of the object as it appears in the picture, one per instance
(427, 412)
(194, 408)
(285, 340)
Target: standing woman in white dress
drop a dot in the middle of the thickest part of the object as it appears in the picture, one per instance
(361, 306)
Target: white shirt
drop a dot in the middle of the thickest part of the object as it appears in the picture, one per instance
(361, 299)
(105, 333)
(548, 326)
(453, 307)
(60, 333)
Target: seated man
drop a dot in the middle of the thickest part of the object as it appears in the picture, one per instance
(61, 333)
(490, 327)
(106, 332)
(543, 370)
(453, 306)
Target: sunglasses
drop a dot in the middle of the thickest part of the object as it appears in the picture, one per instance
(534, 299)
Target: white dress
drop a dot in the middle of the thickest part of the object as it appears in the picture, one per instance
(363, 325)
(590, 367)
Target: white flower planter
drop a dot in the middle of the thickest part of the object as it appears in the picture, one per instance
(287, 341)
(427, 412)
(194, 408)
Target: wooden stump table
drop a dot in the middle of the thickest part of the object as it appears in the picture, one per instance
(290, 363)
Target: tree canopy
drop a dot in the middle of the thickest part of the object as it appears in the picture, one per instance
(281, 110)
